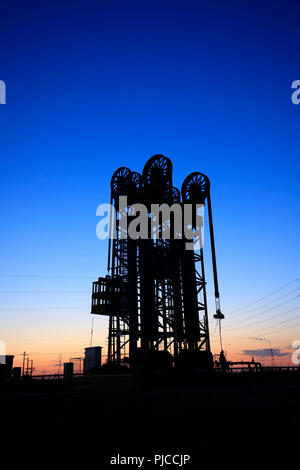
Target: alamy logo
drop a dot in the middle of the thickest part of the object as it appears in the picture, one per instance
(159, 221)
(296, 354)
(296, 94)
(2, 92)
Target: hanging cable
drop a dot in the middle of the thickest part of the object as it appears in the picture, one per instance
(218, 315)
(92, 331)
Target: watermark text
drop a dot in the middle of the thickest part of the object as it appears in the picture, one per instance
(2, 92)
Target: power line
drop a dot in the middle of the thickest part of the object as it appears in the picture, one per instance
(265, 319)
(270, 301)
(267, 295)
(263, 312)
(64, 353)
(282, 329)
(42, 276)
(237, 338)
(43, 292)
(281, 323)
(43, 308)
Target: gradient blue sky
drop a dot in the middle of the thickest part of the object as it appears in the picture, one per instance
(94, 85)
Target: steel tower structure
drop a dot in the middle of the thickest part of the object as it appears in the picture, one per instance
(155, 292)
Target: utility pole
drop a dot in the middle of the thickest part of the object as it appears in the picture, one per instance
(80, 361)
(24, 355)
(272, 358)
(59, 364)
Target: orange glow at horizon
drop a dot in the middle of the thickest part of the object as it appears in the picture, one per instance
(49, 353)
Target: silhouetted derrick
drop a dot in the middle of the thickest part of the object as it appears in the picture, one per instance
(155, 294)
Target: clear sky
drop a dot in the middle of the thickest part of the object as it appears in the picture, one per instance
(94, 85)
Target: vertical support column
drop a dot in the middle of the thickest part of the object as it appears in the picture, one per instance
(190, 299)
(132, 298)
(149, 317)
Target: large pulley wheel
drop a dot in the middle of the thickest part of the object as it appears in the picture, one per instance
(120, 181)
(135, 180)
(158, 170)
(135, 185)
(175, 195)
(195, 188)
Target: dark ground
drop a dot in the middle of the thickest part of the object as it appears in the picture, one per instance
(225, 416)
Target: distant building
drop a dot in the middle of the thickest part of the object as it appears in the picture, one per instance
(92, 359)
(6, 367)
